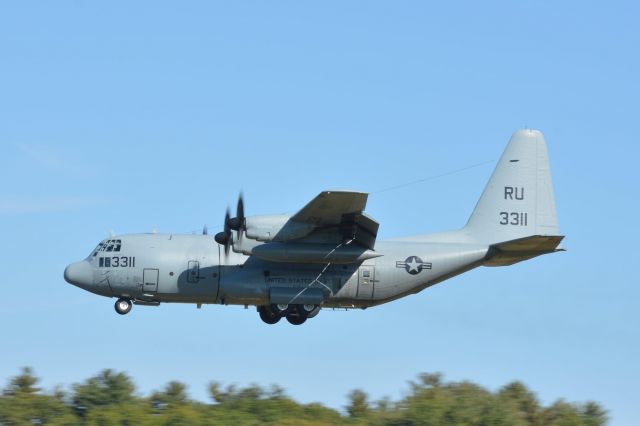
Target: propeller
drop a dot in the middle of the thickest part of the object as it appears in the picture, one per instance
(237, 223)
(225, 237)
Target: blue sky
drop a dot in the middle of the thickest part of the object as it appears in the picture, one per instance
(128, 116)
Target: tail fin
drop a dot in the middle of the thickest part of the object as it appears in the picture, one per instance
(518, 201)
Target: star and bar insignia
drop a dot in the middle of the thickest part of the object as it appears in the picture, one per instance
(413, 265)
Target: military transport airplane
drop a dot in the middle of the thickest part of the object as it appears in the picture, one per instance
(326, 255)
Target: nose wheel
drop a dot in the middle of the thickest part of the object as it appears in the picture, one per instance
(123, 306)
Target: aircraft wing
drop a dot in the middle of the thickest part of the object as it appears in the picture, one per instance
(315, 234)
(329, 207)
(338, 216)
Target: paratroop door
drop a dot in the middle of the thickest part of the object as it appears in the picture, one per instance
(150, 280)
(366, 281)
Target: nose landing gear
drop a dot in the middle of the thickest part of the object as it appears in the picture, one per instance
(123, 306)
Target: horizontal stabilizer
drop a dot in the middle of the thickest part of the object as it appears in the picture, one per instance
(514, 251)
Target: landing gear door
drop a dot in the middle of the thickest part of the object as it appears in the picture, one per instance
(366, 281)
(150, 280)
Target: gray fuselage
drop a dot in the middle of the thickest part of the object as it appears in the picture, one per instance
(194, 269)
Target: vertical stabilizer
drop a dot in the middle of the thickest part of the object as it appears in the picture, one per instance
(518, 201)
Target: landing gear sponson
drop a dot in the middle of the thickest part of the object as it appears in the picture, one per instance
(295, 314)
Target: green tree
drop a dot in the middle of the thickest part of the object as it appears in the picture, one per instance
(172, 406)
(562, 413)
(23, 384)
(427, 380)
(105, 389)
(523, 401)
(594, 415)
(22, 403)
(108, 399)
(174, 393)
(358, 404)
(134, 413)
(217, 393)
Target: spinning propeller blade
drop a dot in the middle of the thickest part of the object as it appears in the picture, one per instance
(225, 237)
(237, 223)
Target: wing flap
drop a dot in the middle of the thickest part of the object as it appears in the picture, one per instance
(360, 228)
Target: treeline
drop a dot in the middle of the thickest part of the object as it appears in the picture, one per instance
(109, 398)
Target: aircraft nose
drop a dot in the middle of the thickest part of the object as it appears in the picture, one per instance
(79, 274)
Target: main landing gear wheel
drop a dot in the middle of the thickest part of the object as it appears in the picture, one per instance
(314, 312)
(281, 309)
(267, 315)
(295, 314)
(123, 306)
(301, 313)
(296, 319)
(307, 311)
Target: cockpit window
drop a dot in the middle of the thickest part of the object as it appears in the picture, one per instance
(108, 245)
(95, 252)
